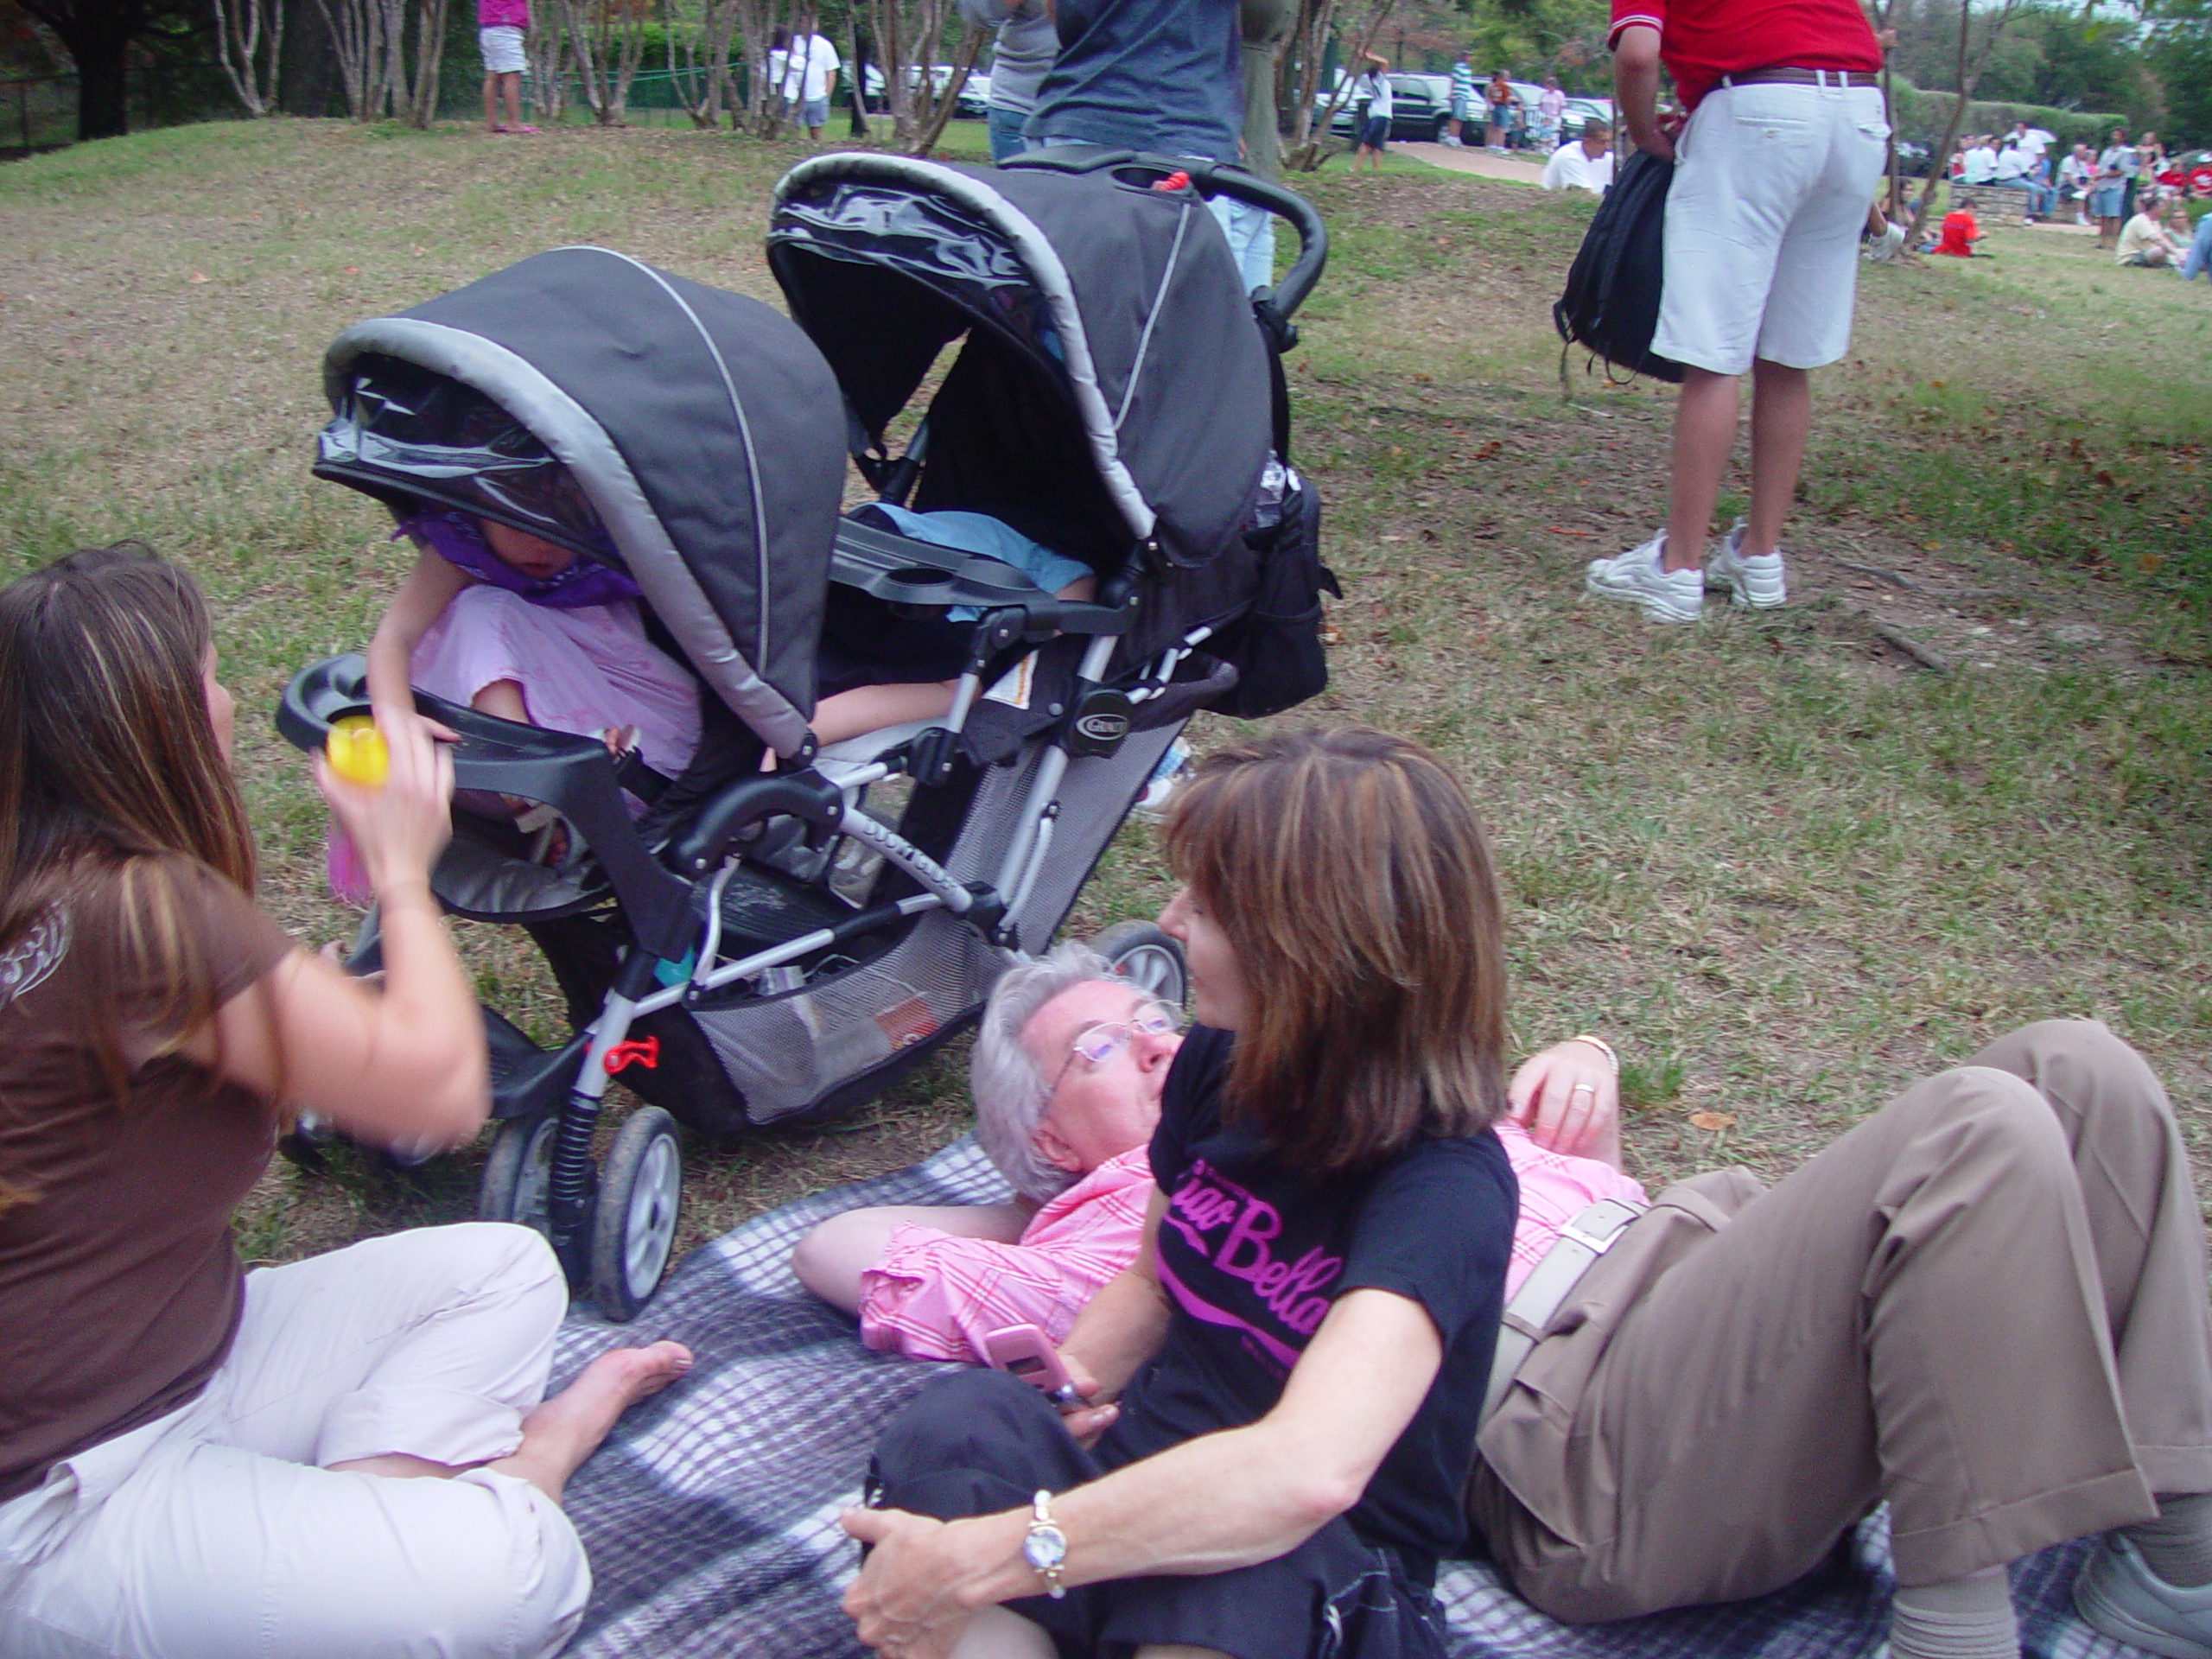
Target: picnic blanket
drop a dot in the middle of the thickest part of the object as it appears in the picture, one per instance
(711, 1515)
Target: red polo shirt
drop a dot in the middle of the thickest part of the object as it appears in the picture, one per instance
(1700, 40)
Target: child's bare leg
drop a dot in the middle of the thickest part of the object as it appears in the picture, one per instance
(561, 1433)
(871, 708)
(503, 700)
(490, 103)
(510, 84)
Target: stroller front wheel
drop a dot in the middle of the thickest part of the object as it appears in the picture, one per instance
(518, 1175)
(633, 1219)
(1147, 958)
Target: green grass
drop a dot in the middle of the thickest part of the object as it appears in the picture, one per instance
(1783, 869)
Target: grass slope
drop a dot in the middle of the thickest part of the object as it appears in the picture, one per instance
(1785, 866)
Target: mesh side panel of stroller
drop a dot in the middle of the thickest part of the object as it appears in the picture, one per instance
(788, 1055)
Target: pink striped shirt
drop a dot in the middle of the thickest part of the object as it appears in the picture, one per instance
(934, 1296)
(1555, 1189)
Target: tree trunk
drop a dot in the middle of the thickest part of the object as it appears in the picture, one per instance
(422, 106)
(1968, 79)
(1309, 157)
(932, 129)
(249, 42)
(103, 84)
(859, 79)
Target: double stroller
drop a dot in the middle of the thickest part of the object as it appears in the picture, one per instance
(780, 929)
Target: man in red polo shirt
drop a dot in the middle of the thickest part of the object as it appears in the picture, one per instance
(1780, 156)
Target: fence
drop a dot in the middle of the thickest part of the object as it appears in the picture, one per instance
(41, 112)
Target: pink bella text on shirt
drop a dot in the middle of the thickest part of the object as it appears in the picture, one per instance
(1235, 1232)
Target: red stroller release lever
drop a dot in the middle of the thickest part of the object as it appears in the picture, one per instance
(1172, 182)
(644, 1050)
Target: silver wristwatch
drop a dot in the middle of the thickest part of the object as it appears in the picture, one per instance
(1045, 1546)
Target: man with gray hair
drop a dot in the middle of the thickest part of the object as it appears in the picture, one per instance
(1067, 1074)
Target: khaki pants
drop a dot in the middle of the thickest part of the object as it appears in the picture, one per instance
(1985, 1305)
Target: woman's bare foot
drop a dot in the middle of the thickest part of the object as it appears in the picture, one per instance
(565, 1430)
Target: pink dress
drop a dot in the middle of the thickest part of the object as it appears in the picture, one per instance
(935, 1297)
(581, 670)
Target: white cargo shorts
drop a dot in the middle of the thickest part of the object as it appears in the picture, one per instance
(1770, 189)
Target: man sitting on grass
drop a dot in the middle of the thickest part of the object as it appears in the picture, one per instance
(1583, 164)
(2143, 241)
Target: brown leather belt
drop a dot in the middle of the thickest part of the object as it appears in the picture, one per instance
(1804, 77)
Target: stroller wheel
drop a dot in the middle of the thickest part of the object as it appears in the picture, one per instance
(633, 1220)
(1147, 958)
(517, 1173)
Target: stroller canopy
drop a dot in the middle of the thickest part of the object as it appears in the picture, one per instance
(1115, 385)
(701, 428)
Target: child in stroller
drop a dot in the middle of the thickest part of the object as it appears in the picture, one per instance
(544, 632)
(754, 947)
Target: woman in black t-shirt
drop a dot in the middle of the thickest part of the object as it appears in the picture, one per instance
(1280, 1395)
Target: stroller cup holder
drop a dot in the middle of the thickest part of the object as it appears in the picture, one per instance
(575, 776)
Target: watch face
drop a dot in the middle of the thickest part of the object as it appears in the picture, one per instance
(1045, 1546)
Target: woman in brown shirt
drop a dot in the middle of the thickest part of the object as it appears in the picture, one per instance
(348, 1455)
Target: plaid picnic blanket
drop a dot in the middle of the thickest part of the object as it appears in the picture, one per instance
(711, 1515)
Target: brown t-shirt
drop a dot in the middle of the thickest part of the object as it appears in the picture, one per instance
(119, 1286)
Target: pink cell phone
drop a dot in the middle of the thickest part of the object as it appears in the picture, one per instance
(1025, 1351)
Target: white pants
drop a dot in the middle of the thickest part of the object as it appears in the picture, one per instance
(1770, 189)
(215, 1533)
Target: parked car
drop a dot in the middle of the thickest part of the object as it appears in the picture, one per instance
(1420, 105)
(973, 94)
(1579, 109)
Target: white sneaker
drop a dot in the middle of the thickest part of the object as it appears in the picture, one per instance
(2118, 1594)
(1757, 582)
(1662, 595)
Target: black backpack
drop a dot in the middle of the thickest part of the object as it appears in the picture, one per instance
(1611, 302)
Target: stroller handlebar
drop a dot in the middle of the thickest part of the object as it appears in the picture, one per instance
(1208, 179)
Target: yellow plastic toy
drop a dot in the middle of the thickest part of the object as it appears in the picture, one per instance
(356, 751)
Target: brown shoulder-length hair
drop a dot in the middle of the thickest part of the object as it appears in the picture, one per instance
(1348, 873)
(111, 781)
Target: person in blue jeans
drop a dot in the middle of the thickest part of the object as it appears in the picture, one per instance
(1023, 52)
(2199, 258)
(1164, 77)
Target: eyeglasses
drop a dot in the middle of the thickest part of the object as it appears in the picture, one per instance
(1094, 1046)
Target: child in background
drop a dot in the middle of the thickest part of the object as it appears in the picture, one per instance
(500, 25)
(1961, 230)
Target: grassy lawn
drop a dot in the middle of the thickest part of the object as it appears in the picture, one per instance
(1782, 864)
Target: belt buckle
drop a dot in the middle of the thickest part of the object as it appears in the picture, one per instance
(1618, 1216)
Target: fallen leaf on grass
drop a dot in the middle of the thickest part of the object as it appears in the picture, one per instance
(351, 270)
(1712, 1122)
(198, 276)
(1562, 530)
